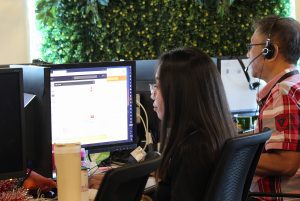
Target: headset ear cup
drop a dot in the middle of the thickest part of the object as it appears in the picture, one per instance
(268, 51)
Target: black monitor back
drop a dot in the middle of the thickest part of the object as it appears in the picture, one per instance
(145, 75)
(36, 81)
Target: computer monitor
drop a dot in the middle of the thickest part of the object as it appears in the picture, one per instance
(241, 99)
(36, 81)
(4, 66)
(94, 104)
(145, 75)
(12, 133)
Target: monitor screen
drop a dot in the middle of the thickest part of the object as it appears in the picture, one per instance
(94, 104)
(241, 99)
(12, 149)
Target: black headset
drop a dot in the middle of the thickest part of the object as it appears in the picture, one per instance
(269, 49)
(252, 86)
(267, 52)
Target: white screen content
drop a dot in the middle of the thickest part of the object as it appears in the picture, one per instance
(90, 105)
(240, 97)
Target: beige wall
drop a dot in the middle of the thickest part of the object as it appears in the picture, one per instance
(297, 5)
(14, 37)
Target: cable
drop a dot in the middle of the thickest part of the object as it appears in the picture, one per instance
(90, 169)
(103, 163)
(252, 86)
(246, 69)
(139, 153)
(146, 131)
(148, 135)
(140, 105)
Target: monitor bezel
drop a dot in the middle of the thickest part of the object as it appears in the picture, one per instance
(22, 171)
(114, 146)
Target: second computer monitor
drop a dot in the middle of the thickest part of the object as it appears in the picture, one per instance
(94, 104)
(12, 132)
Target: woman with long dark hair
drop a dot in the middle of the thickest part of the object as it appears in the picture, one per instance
(190, 101)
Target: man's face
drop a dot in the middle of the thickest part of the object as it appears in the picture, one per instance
(257, 44)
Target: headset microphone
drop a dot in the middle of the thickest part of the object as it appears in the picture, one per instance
(252, 86)
(241, 62)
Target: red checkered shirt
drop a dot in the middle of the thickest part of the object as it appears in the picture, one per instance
(280, 111)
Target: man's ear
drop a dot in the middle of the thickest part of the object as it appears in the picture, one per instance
(276, 53)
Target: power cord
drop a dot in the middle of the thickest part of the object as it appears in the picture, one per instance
(139, 153)
(148, 135)
(103, 163)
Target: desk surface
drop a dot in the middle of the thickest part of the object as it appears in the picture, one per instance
(92, 195)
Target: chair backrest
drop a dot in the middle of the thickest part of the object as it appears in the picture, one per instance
(232, 177)
(127, 183)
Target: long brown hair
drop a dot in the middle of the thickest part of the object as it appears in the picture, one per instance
(194, 99)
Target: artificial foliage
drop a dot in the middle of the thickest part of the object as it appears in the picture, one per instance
(96, 30)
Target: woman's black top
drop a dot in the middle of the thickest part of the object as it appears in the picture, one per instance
(189, 171)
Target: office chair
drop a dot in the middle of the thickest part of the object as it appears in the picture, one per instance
(232, 177)
(127, 183)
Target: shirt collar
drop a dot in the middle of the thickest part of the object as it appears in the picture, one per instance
(264, 92)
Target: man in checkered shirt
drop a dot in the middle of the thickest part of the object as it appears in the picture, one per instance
(274, 52)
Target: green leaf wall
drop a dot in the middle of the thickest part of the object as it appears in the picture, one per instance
(93, 30)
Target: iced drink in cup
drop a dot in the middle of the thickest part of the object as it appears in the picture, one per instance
(68, 171)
